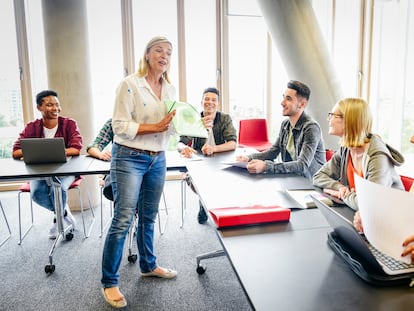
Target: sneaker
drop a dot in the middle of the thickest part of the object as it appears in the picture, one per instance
(68, 217)
(202, 216)
(53, 231)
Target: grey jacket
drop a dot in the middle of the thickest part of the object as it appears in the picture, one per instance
(309, 148)
(378, 161)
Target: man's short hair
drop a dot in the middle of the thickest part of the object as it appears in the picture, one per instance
(212, 90)
(43, 94)
(301, 88)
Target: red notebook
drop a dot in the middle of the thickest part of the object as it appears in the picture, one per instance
(255, 214)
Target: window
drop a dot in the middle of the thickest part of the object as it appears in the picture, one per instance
(106, 56)
(201, 68)
(11, 116)
(392, 76)
(340, 23)
(246, 60)
(156, 18)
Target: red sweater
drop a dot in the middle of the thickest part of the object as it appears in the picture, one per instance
(67, 128)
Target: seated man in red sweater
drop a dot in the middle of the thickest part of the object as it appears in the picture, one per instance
(51, 125)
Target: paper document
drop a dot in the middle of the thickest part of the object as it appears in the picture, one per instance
(303, 197)
(236, 163)
(387, 216)
(187, 120)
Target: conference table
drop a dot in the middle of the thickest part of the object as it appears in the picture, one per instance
(286, 265)
(17, 170)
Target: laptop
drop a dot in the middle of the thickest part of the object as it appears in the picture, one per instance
(368, 255)
(43, 150)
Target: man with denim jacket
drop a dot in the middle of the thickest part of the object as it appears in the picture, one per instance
(299, 144)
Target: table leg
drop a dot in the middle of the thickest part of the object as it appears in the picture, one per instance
(183, 200)
(62, 231)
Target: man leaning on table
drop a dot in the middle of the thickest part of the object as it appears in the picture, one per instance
(299, 144)
(51, 125)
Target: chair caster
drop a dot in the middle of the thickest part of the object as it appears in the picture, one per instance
(69, 236)
(49, 269)
(200, 269)
(132, 258)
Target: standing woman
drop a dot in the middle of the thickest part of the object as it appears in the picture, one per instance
(360, 152)
(138, 166)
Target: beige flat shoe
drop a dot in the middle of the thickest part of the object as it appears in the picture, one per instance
(169, 274)
(118, 304)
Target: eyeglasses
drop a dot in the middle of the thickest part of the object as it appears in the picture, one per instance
(331, 114)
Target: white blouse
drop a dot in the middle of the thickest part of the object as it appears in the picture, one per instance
(136, 103)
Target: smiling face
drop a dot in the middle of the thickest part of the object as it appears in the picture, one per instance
(292, 105)
(336, 122)
(210, 103)
(159, 56)
(50, 108)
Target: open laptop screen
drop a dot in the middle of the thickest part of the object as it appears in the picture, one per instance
(43, 150)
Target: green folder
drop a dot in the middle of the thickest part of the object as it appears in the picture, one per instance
(187, 120)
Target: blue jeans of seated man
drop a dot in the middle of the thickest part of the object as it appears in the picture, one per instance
(42, 191)
(137, 184)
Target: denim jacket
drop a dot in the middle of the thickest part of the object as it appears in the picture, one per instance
(309, 148)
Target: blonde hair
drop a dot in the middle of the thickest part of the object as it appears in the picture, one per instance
(143, 64)
(357, 121)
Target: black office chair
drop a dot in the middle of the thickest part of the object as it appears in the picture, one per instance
(132, 257)
(217, 253)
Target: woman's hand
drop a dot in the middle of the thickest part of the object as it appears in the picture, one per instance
(341, 193)
(358, 222)
(164, 124)
(409, 247)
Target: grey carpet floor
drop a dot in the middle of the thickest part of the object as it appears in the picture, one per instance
(75, 284)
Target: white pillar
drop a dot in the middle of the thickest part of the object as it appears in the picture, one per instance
(295, 31)
(67, 58)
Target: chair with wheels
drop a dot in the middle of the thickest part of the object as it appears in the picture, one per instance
(253, 133)
(107, 193)
(7, 224)
(25, 188)
(132, 257)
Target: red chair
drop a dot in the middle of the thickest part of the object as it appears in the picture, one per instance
(407, 182)
(253, 134)
(329, 154)
(25, 188)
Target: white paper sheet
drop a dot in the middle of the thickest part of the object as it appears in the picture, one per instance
(236, 163)
(387, 216)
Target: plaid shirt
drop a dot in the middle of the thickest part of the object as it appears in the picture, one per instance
(105, 136)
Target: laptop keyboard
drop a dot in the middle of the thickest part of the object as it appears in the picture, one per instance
(390, 262)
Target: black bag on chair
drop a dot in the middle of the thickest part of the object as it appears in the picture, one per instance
(107, 189)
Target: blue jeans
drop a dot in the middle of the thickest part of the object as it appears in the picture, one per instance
(42, 192)
(137, 184)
